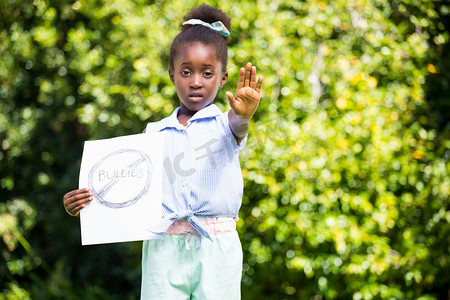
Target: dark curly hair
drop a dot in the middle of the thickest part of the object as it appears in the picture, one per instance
(197, 33)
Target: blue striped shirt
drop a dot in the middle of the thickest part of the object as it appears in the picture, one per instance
(202, 174)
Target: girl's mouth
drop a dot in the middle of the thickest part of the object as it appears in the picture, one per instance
(195, 96)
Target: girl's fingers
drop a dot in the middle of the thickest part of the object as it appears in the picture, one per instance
(247, 78)
(253, 77)
(75, 207)
(258, 85)
(86, 197)
(78, 208)
(76, 200)
(241, 78)
(230, 96)
(79, 203)
(74, 192)
(248, 74)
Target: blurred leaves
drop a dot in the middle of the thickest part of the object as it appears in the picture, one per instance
(346, 167)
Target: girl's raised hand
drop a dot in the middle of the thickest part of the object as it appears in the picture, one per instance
(76, 200)
(246, 101)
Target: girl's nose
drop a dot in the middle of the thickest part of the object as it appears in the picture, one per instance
(196, 81)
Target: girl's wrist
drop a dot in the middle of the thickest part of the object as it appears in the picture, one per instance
(238, 119)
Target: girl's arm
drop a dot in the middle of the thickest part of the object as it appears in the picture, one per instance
(245, 103)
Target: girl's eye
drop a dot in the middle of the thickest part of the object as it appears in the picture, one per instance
(185, 73)
(208, 74)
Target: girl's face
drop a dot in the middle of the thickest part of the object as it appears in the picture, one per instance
(197, 76)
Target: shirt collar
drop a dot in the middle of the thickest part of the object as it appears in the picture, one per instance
(211, 111)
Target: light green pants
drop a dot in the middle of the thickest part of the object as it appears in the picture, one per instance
(209, 270)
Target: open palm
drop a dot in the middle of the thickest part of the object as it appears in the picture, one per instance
(248, 95)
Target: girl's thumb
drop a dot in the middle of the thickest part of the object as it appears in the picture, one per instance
(230, 96)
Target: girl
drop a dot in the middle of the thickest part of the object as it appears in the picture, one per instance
(199, 255)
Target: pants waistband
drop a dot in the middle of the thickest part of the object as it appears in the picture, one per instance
(214, 226)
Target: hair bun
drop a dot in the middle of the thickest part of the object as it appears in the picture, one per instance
(207, 14)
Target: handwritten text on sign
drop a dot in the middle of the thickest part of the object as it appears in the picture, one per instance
(130, 167)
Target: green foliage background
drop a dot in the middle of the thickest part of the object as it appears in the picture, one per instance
(346, 168)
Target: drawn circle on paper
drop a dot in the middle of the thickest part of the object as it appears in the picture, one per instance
(122, 172)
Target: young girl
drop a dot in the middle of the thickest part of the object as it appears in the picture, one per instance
(199, 255)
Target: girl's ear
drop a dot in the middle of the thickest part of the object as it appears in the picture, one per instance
(224, 79)
(172, 76)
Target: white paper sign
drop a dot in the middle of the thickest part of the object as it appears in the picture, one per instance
(125, 176)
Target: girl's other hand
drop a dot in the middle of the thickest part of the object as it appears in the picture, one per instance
(76, 200)
(247, 93)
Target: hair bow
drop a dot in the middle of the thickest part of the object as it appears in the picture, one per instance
(216, 26)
